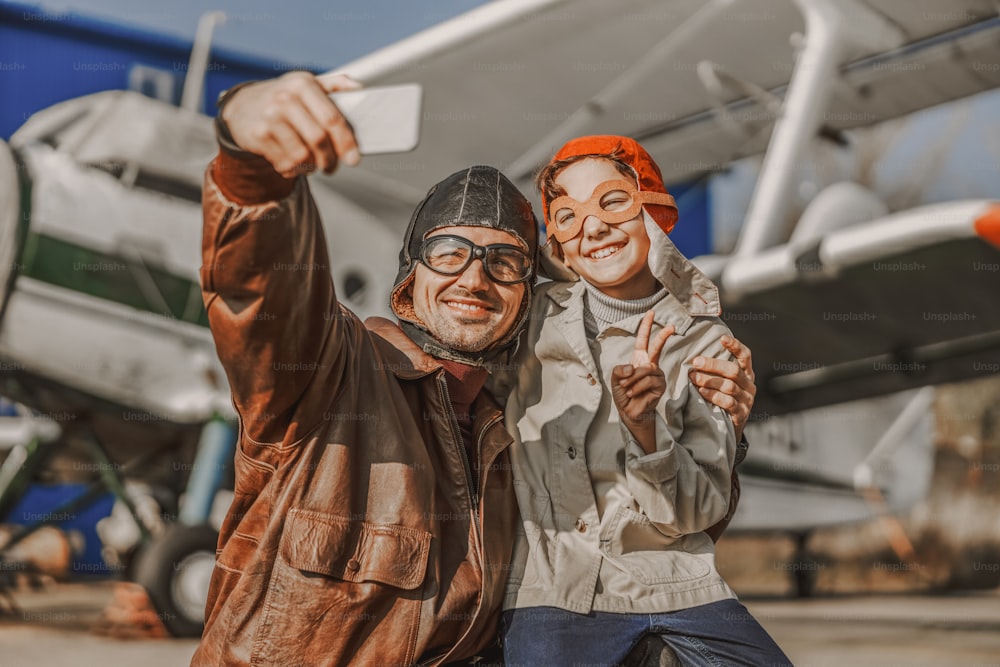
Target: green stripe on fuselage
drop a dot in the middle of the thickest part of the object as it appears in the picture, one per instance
(112, 277)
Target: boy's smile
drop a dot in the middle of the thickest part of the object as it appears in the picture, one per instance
(605, 251)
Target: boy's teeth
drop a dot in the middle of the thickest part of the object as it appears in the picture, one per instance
(604, 252)
(465, 306)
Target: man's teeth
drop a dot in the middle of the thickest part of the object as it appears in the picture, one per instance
(605, 252)
(466, 306)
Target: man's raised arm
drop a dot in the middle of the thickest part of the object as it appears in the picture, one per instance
(265, 274)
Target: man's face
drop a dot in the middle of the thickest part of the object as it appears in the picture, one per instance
(467, 311)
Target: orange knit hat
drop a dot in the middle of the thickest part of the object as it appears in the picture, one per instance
(631, 153)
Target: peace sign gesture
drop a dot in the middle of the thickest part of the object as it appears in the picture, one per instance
(638, 385)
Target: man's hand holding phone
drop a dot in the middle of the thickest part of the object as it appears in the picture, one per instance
(301, 122)
(293, 124)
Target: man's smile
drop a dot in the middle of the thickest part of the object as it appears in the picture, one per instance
(468, 307)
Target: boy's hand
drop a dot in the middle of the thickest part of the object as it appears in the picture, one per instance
(728, 384)
(291, 123)
(637, 386)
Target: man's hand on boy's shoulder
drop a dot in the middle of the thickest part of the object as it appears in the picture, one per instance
(727, 384)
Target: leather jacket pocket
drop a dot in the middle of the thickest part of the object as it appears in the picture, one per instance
(333, 582)
(355, 551)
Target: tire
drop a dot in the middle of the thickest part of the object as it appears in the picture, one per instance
(805, 577)
(804, 568)
(175, 569)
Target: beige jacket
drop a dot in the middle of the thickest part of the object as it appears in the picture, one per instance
(606, 526)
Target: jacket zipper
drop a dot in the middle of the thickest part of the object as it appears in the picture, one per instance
(479, 448)
(473, 498)
(430, 661)
(457, 435)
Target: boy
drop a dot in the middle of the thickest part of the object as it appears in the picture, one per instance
(619, 469)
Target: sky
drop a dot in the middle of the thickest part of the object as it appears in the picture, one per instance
(315, 33)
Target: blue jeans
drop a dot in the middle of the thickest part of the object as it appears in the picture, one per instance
(719, 633)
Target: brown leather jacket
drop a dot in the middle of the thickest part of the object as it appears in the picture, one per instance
(359, 534)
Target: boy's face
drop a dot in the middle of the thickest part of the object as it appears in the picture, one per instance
(609, 257)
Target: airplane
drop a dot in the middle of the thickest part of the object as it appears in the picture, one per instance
(104, 334)
(833, 299)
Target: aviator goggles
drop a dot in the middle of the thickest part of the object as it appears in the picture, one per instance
(451, 255)
(613, 202)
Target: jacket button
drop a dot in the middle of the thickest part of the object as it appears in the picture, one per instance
(591, 379)
(572, 452)
(581, 525)
(353, 565)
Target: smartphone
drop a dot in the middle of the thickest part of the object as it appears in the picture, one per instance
(386, 119)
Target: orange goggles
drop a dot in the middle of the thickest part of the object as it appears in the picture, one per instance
(613, 202)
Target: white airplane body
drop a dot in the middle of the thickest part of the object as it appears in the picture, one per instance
(106, 298)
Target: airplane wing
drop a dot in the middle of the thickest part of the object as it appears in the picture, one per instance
(507, 83)
(872, 309)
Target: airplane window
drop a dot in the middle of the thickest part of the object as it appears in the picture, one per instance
(354, 286)
(151, 181)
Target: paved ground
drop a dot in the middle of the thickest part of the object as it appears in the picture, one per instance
(53, 629)
(886, 631)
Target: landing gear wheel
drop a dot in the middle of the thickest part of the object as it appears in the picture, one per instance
(804, 569)
(175, 569)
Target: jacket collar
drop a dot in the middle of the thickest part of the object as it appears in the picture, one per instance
(694, 292)
(408, 362)
(569, 319)
(404, 357)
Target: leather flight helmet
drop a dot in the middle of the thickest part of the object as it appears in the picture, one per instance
(479, 196)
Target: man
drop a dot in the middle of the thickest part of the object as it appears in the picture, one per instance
(374, 513)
